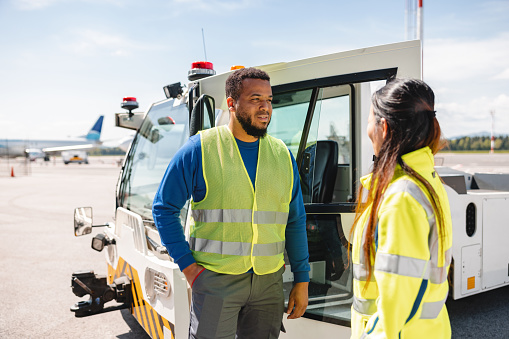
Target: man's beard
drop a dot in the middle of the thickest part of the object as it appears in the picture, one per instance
(247, 124)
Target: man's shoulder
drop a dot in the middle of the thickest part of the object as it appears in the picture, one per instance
(279, 144)
(275, 141)
(214, 131)
(195, 139)
(191, 146)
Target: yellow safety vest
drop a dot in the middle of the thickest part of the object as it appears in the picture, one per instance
(408, 289)
(236, 227)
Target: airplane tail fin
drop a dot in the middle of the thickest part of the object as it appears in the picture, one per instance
(95, 132)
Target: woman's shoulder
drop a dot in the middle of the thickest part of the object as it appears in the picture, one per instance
(402, 182)
(406, 188)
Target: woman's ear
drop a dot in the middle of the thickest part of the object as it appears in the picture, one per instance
(383, 122)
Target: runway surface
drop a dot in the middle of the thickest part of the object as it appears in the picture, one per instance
(475, 162)
(39, 252)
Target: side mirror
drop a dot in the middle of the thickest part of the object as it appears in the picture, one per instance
(129, 121)
(203, 114)
(82, 221)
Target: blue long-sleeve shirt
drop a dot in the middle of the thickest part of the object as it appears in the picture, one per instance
(184, 178)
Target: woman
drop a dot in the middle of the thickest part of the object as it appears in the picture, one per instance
(403, 231)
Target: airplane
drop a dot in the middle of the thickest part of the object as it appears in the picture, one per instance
(34, 149)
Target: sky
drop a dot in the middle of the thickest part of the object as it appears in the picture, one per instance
(65, 62)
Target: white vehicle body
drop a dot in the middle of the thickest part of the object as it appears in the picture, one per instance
(480, 213)
(342, 83)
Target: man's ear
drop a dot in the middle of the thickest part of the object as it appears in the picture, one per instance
(230, 102)
(385, 129)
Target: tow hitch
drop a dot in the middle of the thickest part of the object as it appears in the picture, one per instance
(86, 282)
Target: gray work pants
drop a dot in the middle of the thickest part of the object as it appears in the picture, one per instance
(237, 306)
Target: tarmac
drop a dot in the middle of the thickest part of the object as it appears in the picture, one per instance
(475, 162)
(39, 252)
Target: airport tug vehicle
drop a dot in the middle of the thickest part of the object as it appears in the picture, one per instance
(320, 111)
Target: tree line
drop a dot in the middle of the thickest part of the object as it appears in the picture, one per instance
(477, 143)
(459, 144)
(106, 151)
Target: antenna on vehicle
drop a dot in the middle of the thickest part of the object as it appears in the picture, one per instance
(204, 49)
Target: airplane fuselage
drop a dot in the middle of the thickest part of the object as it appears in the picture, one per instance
(18, 148)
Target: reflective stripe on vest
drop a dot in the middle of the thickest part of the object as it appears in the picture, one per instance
(236, 248)
(360, 272)
(240, 215)
(430, 310)
(412, 267)
(364, 306)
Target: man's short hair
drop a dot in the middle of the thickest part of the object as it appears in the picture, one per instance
(233, 86)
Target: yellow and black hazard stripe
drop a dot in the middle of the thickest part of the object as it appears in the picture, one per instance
(148, 318)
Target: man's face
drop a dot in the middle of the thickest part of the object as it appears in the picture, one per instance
(253, 109)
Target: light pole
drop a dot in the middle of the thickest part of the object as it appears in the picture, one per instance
(492, 112)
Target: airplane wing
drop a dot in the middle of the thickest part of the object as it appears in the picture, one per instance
(92, 137)
(122, 143)
(70, 148)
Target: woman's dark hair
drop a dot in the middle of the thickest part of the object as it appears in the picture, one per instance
(233, 86)
(407, 105)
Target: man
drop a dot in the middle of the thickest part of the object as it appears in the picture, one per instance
(246, 207)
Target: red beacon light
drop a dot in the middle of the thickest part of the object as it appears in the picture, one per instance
(129, 103)
(200, 69)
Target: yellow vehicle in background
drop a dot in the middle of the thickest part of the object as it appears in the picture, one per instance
(80, 157)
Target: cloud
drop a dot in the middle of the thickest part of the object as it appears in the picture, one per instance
(503, 75)
(89, 42)
(494, 8)
(471, 116)
(470, 78)
(28, 5)
(212, 6)
(464, 59)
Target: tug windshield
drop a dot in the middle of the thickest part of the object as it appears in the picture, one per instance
(163, 132)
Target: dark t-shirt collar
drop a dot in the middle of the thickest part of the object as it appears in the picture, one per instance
(245, 144)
